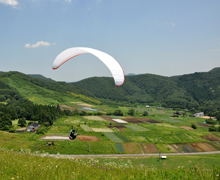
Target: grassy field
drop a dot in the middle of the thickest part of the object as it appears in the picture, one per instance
(161, 135)
(21, 165)
(131, 138)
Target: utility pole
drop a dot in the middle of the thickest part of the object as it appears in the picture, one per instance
(159, 156)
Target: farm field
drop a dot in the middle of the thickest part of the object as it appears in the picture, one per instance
(141, 135)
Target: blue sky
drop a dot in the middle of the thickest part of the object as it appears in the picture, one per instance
(171, 37)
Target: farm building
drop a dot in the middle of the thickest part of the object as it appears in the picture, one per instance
(147, 106)
(198, 114)
(32, 127)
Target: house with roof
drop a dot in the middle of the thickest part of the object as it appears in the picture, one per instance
(198, 114)
(32, 127)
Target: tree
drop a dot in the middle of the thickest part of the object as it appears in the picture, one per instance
(218, 117)
(131, 112)
(194, 126)
(22, 122)
(145, 113)
(118, 112)
(212, 128)
(58, 108)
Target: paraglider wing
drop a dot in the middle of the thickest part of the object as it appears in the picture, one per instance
(115, 68)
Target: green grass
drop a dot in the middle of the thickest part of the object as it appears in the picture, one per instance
(119, 148)
(113, 137)
(122, 137)
(41, 95)
(86, 128)
(135, 127)
(22, 165)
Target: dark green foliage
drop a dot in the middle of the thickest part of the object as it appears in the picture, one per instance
(145, 113)
(22, 122)
(41, 130)
(122, 137)
(118, 112)
(98, 113)
(211, 121)
(83, 113)
(131, 112)
(187, 91)
(194, 126)
(212, 128)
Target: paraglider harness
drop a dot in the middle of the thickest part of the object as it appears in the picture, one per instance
(73, 134)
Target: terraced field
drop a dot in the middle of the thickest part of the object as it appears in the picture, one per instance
(86, 128)
(135, 127)
(113, 137)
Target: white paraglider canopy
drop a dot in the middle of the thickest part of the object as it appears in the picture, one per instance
(115, 68)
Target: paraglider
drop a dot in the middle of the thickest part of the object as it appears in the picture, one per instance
(73, 134)
(115, 68)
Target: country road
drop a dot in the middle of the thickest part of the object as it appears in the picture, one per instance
(131, 155)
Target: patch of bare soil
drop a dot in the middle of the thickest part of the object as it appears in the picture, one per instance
(196, 147)
(140, 120)
(121, 128)
(177, 150)
(129, 148)
(134, 121)
(186, 127)
(207, 117)
(206, 147)
(21, 129)
(87, 138)
(71, 108)
(107, 118)
(84, 104)
(152, 148)
(211, 137)
(132, 148)
(145, 148)
(202, 125)
(187, 146)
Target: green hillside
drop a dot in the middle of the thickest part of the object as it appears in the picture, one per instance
(42, 90)
(186, 91)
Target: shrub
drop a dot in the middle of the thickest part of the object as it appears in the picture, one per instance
(41, 130)
(118, 113)
(194, 126)
(211, 121)
(145, 113)
(212, 128)
(12, 130)
(131, 112)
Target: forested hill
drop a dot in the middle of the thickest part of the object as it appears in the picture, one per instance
(184, 91)
(16, 82)
(39, 76)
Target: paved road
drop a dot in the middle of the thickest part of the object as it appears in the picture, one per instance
(132, 155)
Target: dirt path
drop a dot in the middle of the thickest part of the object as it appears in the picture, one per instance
(132, 155)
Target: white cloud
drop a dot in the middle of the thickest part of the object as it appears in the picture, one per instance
(173, 24)
(9, 2)
(38, 44)
(170, 24)
(68, 1)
